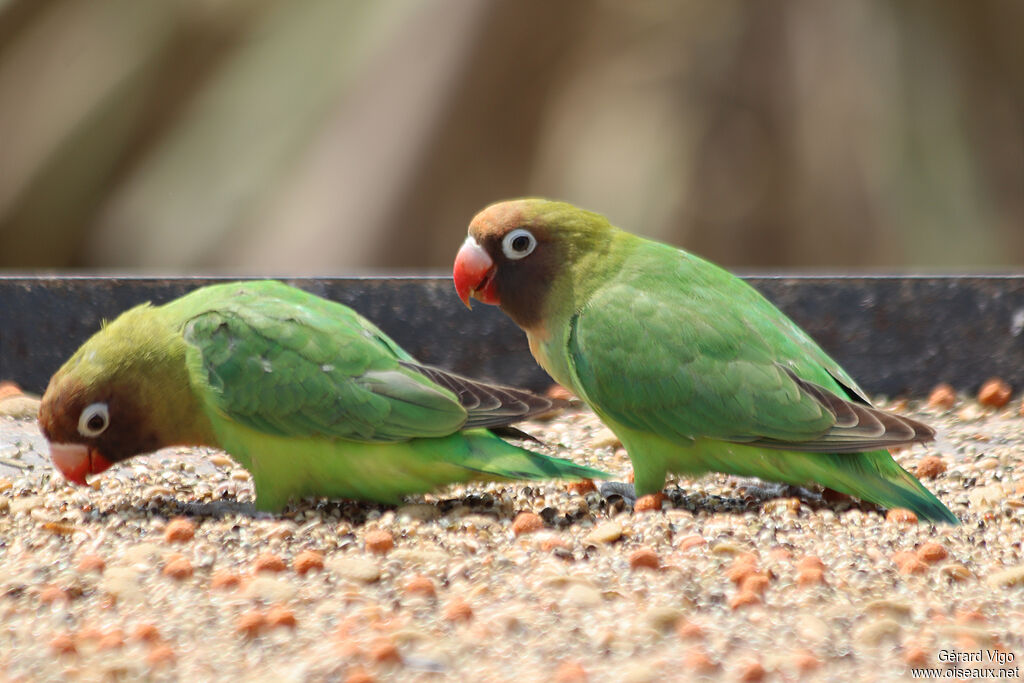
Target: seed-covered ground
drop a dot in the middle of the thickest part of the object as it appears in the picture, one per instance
(160, 571)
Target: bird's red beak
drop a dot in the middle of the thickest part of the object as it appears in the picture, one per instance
(474, 274)
(75, 461)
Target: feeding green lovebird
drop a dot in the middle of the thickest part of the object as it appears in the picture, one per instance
(306, 394)
(688, 365)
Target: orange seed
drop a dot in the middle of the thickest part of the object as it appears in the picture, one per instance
(179, 530)
(63, 644)
(458, 610)
(178, 568)
(279, 615)
(644, 558)
(307, 561)
(943, 397)
(526, 523)
(930, 467)
(581, 487)
(995, 392)
(250, 623)
(379, 541)
(901, 516)
(269, 562)
(652, 501)
(420, 585)
(932, 552)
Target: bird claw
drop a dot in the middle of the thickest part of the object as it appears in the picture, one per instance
(223, 508)
(619, 488)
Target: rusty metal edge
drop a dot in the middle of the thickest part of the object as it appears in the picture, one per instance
(897, 335)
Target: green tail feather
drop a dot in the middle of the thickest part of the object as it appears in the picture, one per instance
(876, 477)
(493, 457)
(873, 476)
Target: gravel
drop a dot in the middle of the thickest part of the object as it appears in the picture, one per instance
(161, 571)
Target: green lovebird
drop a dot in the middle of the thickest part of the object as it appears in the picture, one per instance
(692, 368)
(305, 393)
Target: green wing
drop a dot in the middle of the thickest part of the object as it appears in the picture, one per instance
(679, 347)
(287, 363)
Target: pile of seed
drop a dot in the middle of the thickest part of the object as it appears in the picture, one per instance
(161, 570)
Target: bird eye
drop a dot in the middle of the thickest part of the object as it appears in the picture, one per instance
(518, 244)
(94, 419)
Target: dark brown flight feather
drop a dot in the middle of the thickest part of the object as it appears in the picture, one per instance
(488, 405)
(859, 427)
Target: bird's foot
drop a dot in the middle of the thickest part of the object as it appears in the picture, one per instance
(620, 489)
(224, 508)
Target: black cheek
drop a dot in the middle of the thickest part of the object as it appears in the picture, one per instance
(119, 446)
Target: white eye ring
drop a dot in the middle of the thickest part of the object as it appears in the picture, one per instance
(514, 246)
(94, 419)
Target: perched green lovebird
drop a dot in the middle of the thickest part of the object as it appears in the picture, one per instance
(305, 393)
(690, 367)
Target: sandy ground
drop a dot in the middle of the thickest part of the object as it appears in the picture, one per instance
(732, 579)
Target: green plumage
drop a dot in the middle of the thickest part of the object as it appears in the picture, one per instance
(306, 394)
(694, 370)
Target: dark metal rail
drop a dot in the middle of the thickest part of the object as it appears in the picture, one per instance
(895, 335)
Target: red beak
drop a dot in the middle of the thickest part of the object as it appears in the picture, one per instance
(474, 274)
(75, 461)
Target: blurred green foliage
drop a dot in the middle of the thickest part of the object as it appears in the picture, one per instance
(338, 136)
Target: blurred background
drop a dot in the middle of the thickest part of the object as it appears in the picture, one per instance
(332, 137)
